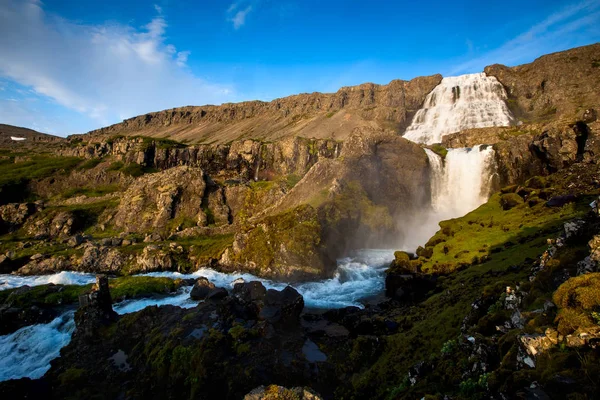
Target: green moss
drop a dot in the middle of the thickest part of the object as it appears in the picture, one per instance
(578, 298)
(15, 178)
(206, 248)
(132, 169)
(90, 191)
(72, 376)
(439, 150)
(128, 287)
(295, 233)
(482, 232)
(510, 200)
(89, 164)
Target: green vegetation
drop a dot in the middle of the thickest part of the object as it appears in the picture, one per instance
(439, 150)
(15, 178)
(502, 222)
(578, 300)
(89, 164)
(296, 231)
(132, 169)
(205, 248)
(127, 287)
(90, 191)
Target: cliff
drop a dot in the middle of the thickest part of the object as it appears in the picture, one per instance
(315, 115)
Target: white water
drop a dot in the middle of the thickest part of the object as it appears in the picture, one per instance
(28, 351)
(8, 281)
(459, 184)
(356, 278)
(457, 103)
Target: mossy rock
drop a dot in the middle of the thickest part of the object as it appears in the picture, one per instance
(509, 189)
(510, 200)
(537, 182)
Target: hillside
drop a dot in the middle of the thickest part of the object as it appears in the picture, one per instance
(6, 131)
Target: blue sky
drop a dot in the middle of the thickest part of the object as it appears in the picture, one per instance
(69, 66)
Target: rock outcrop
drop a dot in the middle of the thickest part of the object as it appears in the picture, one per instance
(558, 85)
(315, 115)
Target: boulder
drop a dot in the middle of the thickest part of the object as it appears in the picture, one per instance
(282, 307)
(559, 201)
(217, 293)
(249, 292)
(201, 289)
(408, 287)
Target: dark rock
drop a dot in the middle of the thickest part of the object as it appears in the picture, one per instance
(559, 201)
(282, 307)
(201, 289)
(95, 309)
(217, 293)
(75, 241)
(510, 200)
(249, 292)
(408, 286)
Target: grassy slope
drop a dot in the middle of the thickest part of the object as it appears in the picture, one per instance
(510, 240)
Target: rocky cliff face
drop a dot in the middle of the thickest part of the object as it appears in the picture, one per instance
(557, 85)
(243, 159)
(315, 115)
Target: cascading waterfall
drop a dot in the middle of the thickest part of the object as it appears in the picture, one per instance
(458, 103)
(463, 180)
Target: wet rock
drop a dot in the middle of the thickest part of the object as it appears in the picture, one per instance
(282, 307)
(95, 310)
(312, 353)
(201, 289)
(249, 292)
(559, 201)
(217, 293)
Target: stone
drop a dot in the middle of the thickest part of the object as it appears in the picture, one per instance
(201, 289)
(282, 307)
(249, 292)
(217, 293)
(559, 201)
(75, 241)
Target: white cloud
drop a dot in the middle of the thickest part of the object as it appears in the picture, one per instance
(104, 71)
(559, 31)
(239, 18)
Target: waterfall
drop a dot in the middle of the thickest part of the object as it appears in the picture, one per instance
(458, 103)
(461, 182)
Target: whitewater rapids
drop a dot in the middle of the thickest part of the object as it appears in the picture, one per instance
(28, 351)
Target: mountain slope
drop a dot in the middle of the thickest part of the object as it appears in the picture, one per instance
(315, 115)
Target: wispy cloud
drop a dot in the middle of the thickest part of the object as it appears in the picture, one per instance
(237, 15)
(106, 71)
(557, 32)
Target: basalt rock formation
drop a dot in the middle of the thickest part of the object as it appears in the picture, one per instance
(315, 115)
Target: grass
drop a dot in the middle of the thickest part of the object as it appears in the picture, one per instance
(89, 164)
(127, 287)
(205, 248)
(464, 241)
(15, 178)
(94, 191)
(132, 169)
